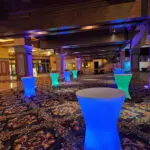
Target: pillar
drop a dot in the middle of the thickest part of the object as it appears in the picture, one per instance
(79, 64)
(4, 62)
(53, 63)
(60, 63)
(122, 59)
(24, 66)
(148, 40)
(135, 55)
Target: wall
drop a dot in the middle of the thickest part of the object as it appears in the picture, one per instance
(4, 52)
(143, 65)
(71, 60)
(53, 63)
(4, 61)
(100, 61)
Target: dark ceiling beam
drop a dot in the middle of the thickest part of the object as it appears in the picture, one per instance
(92, 53)
(88, 49)
(82, 39)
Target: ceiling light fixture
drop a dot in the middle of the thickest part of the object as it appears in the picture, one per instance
(114, 31)
(6, 40)
(90, 27)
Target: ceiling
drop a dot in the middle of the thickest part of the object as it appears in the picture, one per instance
(17, 5)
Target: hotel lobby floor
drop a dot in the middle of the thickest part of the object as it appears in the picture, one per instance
(52, 120)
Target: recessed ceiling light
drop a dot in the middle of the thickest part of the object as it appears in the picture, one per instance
(89, 27)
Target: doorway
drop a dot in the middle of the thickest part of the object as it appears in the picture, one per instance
(96, 66)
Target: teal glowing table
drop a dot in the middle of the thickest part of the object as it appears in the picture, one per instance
(123, 81)
(101, 109)
(29, 86)
(118, 71)
(54, 77)
(75, 73)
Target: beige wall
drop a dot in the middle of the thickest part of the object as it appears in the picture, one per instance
(53, 63)
(71, 60)
(4, 52)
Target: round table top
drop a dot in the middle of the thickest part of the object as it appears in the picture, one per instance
(100, 93)
(28, 77)
(125, 74)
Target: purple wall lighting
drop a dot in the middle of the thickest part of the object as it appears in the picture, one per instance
(63, 62)
(79, 64)
(29, 60)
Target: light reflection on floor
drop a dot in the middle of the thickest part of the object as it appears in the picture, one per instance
(7, 86)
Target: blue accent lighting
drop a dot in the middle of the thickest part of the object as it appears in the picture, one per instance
(127, 65)
(29, 86)
(118, 71)
(67, 76)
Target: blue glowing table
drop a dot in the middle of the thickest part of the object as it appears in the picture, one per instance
(118, 71)
(54, 77)
(29, 86)
(123, 81)
(67, 76)
(75, 73)
(101, 112)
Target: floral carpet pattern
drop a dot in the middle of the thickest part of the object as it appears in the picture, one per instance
(52, 120)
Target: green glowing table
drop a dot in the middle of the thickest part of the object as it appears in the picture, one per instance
(54, 77)
(123, 81)
(75, 73)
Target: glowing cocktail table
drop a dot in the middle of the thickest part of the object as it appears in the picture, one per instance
(29, 86)
(123, 81)
(54, 77)
(67, 76)
(101, 109)
(75, 73)
(118, 71)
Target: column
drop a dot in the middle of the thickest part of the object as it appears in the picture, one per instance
(79, 64)
(122, 59)
(24, 66)
(148, 40)
(60, 63)
(135, 54)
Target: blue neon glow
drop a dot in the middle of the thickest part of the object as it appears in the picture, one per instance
(54, 77)
(101, 117)
(28, 49)
(79, 63)
(118, 71)
(62, 28)
(29, 86)
(70, 46)
(63, 62)
(67, 76)
(63, 32)
(127, 66)
(75, 73)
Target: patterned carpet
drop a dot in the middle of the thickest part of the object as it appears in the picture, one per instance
(52, 120)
